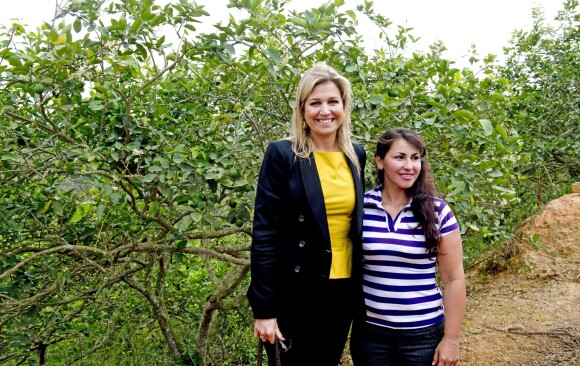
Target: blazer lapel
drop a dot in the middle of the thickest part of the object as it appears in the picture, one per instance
(313, 189)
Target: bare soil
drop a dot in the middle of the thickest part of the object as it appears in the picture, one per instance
(523, 305)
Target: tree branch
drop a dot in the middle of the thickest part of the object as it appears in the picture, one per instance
(57, 133)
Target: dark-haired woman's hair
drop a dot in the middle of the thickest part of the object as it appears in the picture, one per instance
(422, 191)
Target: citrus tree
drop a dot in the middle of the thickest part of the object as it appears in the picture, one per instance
(130, 147)
(543, 66)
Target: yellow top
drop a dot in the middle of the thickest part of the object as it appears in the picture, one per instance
(338, 189)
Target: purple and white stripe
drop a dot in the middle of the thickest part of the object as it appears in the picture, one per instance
(399, 278)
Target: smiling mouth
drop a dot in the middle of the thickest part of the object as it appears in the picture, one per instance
(325, 121)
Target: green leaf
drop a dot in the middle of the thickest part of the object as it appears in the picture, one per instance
(502, 132)
(164, 162)
(181, 244)
(301, 22)
(183, 224)
(254, 4)
(487, 164)
(505, 191)
(494, 174)
(80, 212)
(351, 14)
(435, 104)
(473, 227)
(60, 280)
(153, 208)
(376, 99)
(11, 156)
(231, 50)
(57, 208)
(178, 257)
(136, 26)
(96, 105)
(104, 32)
(45, 207)
(457, 186)
(196, 216)
(78, 215)
(351, 68)
(60, 39)
(309, 17)
(274, 55)
(463, 114)
(487, 126)
(149, 178)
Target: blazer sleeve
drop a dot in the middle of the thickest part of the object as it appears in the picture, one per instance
(269, 211)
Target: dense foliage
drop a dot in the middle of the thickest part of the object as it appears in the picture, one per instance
(130, 146)
(543, 66)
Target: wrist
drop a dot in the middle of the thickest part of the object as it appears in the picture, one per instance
(454, 342)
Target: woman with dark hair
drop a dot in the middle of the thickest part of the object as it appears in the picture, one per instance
(305, 254)
(407, 234)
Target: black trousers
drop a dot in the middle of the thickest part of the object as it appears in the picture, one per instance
(316, 328)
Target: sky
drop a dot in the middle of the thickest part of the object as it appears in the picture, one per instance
(457, 23)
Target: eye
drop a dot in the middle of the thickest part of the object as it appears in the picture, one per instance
(416, 157)
(314, 104)
(334, 102)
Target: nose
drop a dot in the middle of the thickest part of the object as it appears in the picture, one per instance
(324, 109)
(408, 164)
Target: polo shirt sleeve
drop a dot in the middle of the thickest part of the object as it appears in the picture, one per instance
(447, 221)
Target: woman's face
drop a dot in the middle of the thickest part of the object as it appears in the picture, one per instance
(401, 164)
(324, 110)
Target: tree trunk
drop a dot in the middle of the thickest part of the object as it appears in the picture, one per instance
(155, 298)
(42, 354)
(216, 301)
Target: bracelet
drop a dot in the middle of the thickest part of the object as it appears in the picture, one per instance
(456, 344)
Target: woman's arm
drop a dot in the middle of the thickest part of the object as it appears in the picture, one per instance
(267, 229)
(450, 263)
(271, 197)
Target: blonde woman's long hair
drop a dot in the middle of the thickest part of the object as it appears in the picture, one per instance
(301, 141)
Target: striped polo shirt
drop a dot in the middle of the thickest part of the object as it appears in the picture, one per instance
(399, 278)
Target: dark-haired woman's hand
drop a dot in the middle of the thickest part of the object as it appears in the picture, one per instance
(446, 354)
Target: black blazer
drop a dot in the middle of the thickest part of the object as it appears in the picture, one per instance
(291, 243)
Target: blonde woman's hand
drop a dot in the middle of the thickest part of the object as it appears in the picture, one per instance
(267, 330)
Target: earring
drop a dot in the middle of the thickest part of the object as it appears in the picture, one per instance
(304, 125)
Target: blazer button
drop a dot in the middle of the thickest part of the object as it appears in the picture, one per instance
(301, 218)
(297, 269)
(301, 244)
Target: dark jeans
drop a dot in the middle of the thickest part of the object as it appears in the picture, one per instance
(373, 345)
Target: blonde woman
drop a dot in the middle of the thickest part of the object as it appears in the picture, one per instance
(307, 226)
